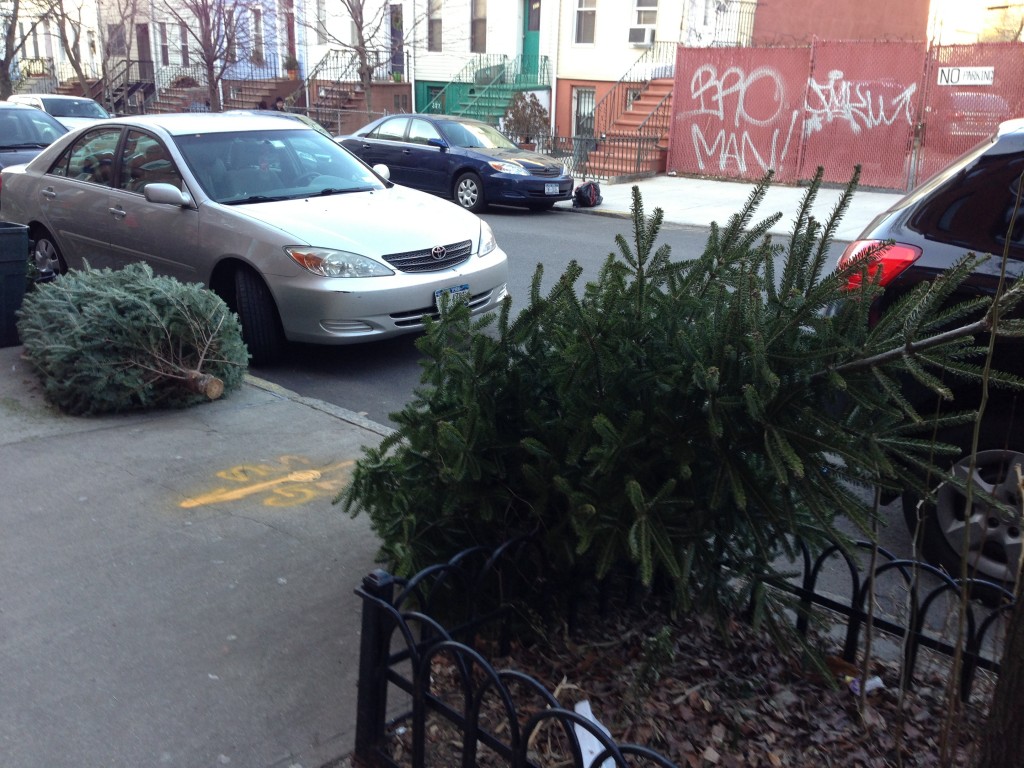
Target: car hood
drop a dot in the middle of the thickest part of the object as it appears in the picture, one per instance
(9, 157)
(77, 122)
(370, 223)
(527, 159)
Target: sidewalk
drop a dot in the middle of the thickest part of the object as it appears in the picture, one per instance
(176, 588)
(697, 202)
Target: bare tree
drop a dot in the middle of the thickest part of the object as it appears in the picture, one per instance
(68, 18)
(116, 41)
(13, 42)
(217, 27)
(372, 30)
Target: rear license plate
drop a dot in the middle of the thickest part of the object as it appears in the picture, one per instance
(550, 189)
(455, 293)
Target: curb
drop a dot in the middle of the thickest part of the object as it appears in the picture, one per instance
(342, 414)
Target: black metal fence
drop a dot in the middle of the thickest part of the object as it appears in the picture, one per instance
(910, 601)
(402, 637)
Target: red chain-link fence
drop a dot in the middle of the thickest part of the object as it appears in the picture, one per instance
(738, 112)
(968, 91)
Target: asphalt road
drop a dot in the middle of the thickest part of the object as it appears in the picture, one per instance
(378, 378)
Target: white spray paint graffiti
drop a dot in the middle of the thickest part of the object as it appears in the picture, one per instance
(741, 141)
(861, 105)
(725, 96)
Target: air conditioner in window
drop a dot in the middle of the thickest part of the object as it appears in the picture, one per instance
(641, 37)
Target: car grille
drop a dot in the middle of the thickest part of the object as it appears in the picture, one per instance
(424, 261)
(550, 171)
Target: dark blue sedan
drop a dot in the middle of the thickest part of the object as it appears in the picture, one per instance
(25, 132)
(466, 160)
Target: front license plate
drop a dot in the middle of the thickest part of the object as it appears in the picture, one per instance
(455, 293)
(550, 189)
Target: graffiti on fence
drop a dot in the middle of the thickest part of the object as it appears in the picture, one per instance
(747, 122)
(745, 104)
(862, 105)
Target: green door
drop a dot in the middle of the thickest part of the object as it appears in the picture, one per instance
(531, 41)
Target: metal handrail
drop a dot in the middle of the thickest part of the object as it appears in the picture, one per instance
(658, 61)
(650, 131)
(482, 62)
(505, 87)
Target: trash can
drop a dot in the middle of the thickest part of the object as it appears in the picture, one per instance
(13, 274)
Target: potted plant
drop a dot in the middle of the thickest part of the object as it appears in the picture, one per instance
(526, 120)
(291, 66)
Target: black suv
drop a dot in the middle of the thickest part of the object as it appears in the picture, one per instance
(967, 207)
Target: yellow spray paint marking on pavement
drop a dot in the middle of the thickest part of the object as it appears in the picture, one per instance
(283, 485)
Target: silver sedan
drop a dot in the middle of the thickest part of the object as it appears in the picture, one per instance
(301, 239)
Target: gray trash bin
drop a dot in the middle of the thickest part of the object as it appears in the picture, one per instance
(13, 274)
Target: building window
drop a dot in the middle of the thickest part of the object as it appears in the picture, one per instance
(478, 27)
(434, 25)
(646, 13)
(165, 48)
(257, 35)
(116, 40)
(586, 13)
(230, 36)
(321, 22)
(183, 32)
(583, 101)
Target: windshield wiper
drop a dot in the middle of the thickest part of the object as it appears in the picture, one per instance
(257, 199)
(27, 145)
(337, 191)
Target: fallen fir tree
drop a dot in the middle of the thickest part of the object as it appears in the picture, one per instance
(105, 341)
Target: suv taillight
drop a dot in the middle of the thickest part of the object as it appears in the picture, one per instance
(891, 259)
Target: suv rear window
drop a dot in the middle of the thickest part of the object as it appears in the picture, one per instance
(973, 209)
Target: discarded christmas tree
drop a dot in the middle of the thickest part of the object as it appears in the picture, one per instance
(105, 341)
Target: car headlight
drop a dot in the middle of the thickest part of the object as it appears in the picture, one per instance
(327, 262)
(487, 241)
(502, 166)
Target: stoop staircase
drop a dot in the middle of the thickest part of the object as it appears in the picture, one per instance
(631, 122)
(485, 87)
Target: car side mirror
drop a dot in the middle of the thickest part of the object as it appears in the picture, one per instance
(439, 143)
(383, 171)
(166, 194)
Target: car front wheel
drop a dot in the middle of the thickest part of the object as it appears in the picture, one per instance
(261, 327)
(469, 192)
(988, 531)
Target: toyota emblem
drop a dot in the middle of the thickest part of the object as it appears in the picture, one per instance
(438, 252)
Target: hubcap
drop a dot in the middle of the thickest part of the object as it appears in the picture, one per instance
(468, 194)
(46, 256)
(990, 530)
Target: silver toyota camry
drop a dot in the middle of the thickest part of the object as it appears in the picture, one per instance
(300, 238)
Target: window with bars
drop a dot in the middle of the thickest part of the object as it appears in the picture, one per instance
(583, 102)
(586, 16)
(478, 27)
(434, 25)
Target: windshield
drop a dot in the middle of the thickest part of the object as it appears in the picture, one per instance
(74, 108)
(259, 166)
(27, 128)
(472, 135)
